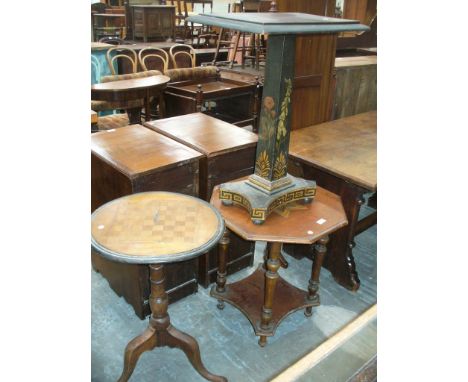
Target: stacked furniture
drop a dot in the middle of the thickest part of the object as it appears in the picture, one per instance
(228, 153)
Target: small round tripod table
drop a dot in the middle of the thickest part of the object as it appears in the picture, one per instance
(264, 297)
(155, 228)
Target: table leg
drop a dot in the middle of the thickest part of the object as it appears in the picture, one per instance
(221, 276)
(283, 262)
(320, 250)
(340, 262)
(271, 277)
(160, 332)
(162, 106)
(147, 107)
(218, 43)
(134, 116)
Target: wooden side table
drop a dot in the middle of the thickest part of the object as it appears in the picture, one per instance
(156, 228)
(129, 90)
(264, 297)
(340, 156)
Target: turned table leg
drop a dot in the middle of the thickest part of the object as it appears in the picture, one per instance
(282, 260)
(160, 332)
(134, 115)
(271, 277)
(320, 250)
(221, 275)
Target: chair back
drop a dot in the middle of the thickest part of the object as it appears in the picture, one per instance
(131, 56)
(155, 58)
(182, 56)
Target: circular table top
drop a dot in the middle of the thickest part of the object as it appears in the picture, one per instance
(131, 84)
(155, 227)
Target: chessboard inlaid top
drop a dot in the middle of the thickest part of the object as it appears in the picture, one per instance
(155, 227)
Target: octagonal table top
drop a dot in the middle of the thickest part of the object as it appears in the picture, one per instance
(296, 223)
(155, 227)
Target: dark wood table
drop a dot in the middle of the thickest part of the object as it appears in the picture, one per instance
(128, 90)
(264, 297)
(237, 102)
(340, 156)
(156, 228)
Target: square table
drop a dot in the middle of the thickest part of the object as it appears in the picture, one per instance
(340, 156)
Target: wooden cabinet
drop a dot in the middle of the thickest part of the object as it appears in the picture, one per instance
(135, 159)
(228, 154)
(156, 22)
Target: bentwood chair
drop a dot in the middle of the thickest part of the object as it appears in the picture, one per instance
(123, 54)
(127, 55)
(182, 56)
(154, 58)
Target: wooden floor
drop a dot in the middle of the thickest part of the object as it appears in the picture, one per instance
(228, 345)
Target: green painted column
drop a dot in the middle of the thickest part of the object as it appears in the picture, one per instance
(275, 114)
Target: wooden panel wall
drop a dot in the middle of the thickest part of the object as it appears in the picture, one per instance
(356, 86)
(312, 89)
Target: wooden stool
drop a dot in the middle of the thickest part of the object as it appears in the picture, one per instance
(264, 297)
(155, 228)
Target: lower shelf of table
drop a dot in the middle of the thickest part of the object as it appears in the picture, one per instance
(247, 295)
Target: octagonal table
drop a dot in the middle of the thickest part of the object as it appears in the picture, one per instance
(264, 297)
(155, 228)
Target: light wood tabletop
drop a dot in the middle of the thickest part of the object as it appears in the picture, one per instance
(345, 147)
(155, 227)
(136, 150)
(204, 133)
(295, 223)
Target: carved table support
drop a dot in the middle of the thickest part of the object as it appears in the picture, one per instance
(340, 262)
(160, 332)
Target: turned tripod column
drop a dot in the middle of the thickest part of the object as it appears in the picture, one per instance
(158, 299)
(320, 249)
(271, 277)
(159, 321)
(221, 275)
